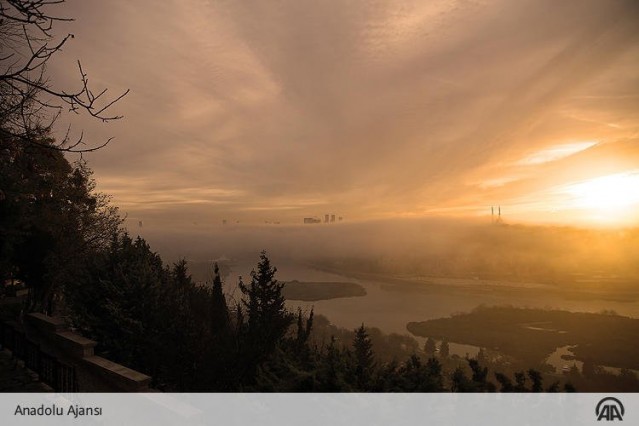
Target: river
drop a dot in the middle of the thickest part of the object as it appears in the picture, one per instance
(390, 304)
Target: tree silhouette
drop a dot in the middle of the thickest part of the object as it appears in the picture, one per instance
(505, 382)
(219, 308)
(429, 347)
(479, 377)
(444, 349)
(520, 380)
(364, 357)
(30, 104)
(51, 218)
(268, 318)
(460, 382)
(537, 380)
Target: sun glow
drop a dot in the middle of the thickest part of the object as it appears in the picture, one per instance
(611, 198)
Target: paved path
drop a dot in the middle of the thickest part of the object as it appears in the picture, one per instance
(15, 378)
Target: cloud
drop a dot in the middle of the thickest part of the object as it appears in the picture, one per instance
(370, 108)
(555, 153)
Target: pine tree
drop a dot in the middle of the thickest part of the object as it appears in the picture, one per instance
(505, 382)
(461, 383)
(331, 370)
(520, 379)
(479, 376)
(364, 357)
(537, 381)
(436, 381)
(444, 349)
(429, 347)
(219, 308)
(181, 276)
(266, 325)
(268, 318)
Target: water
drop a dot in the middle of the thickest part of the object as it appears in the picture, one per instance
(389, 305)
(559, 363)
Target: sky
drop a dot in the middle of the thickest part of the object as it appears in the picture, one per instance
(279, 110)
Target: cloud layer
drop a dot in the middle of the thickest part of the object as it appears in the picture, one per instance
(279, 110)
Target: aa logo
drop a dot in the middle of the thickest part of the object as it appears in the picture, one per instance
(610, 409)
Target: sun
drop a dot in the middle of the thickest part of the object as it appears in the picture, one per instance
(606, 198)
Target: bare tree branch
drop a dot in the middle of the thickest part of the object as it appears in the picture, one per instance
(30, 105)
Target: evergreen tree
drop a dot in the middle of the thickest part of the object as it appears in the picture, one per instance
(120, 301)
(520, 380)
(419, 377)
(537, 380)
(444, 349)
(481, 356)
(429, 347)
(460, 382)
(554, 387)
(364, 357)
(332, 369)
(479, 376)
(180, 274)
(505, 382)
(268, 319)
(267, 323)
(304, 327)
(219, 308)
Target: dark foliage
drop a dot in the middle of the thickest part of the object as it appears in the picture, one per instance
(51, 219)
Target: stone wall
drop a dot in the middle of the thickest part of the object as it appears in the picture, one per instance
(43, 341)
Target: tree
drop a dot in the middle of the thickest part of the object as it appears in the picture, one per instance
(268, 321)
(461, 383)
(51, 218)
(300, 345)
(444, 349)
(219, 308)
(505, 382)
(120, 300)
(480, 375)
(29, 104)
(332, 369)
(417, 377)
(537, 380)
(481, 356)
(268, 318)
(364, 357)
(520, 380)
(429, 347)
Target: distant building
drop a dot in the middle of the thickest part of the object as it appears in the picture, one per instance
(309, 220)
(493, 219)
(325, 218)
(332, 218)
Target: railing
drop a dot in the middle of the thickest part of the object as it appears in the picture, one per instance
(51, 371)
(66, 360)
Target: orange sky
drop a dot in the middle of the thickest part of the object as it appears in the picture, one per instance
(258, 111)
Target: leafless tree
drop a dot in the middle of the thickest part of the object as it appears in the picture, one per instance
(29, 104)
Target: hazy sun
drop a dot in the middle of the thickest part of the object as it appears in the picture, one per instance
(611, 198)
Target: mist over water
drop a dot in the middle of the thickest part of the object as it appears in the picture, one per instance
(414, 270)
(396, 237)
